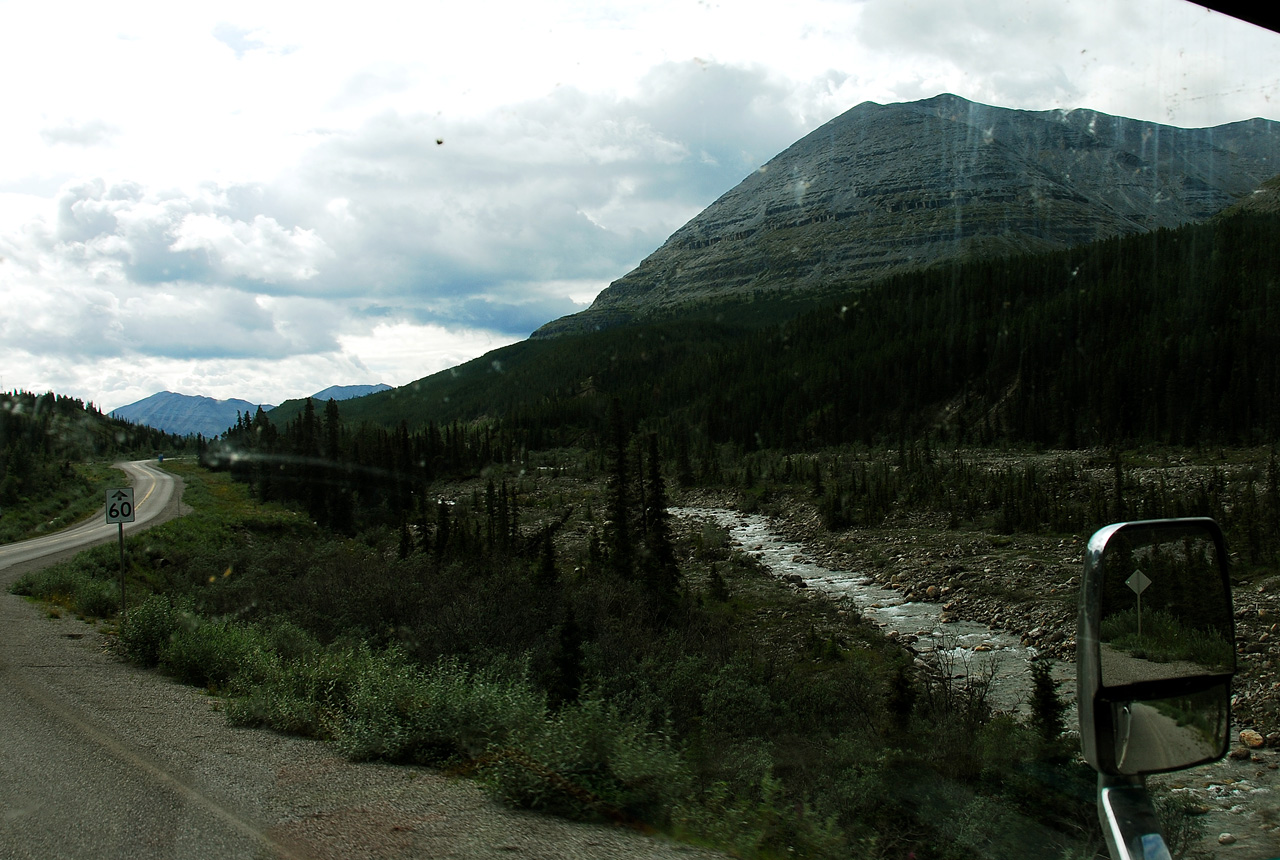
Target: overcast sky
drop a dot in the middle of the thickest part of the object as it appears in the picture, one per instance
(259, 200)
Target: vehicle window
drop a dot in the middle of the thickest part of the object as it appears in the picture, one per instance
(682, 418)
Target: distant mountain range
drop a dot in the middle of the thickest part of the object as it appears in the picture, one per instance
(347, 392)
(883, 189)
(190, 414)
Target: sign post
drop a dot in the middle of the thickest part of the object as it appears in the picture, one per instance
(1138, 583)
(120, 511)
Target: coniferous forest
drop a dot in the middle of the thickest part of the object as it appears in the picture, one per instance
(1163, 339)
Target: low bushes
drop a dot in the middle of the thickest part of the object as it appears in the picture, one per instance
(86, 592)
(149, 628)
(588, 760)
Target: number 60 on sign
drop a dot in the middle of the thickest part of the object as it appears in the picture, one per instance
(120, 505)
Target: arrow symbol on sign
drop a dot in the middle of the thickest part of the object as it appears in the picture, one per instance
(120, 494)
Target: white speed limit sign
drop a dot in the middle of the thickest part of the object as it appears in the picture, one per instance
(120, 505)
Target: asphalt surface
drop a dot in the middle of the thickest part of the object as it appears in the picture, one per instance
(99, 759)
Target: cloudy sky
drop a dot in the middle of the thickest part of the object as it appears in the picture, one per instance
(259, 200)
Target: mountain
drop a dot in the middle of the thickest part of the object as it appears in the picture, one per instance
(884, 189)
(186, 414)
(347, 392)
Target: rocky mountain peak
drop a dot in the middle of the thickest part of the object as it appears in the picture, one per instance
(886, 188)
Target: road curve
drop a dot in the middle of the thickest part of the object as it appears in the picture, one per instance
(153, 490)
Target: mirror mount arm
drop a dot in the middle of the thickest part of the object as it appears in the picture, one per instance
(1129, 819)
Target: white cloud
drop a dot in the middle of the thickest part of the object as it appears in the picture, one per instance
(261, 250)
(90, 133)
(388, 349)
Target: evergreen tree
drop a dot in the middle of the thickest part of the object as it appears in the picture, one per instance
(619, 544)
(442, 528)
(661, 573)
(1047, 709)
(565, 680)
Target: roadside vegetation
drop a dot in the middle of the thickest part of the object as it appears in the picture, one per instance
(510, 631)
(75, 495)
(1164, 638)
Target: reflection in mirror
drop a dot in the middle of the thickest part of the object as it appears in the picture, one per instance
(1164, 734)
(1165, 607)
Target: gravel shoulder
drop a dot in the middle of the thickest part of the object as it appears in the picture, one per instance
(100, 759)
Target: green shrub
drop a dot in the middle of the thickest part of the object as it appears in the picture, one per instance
(446, 713)
(381, 705)
(735, 702)
(73, 586)
(211, 653)
(591, 761)
(148, 628)
(60, 583)
(303, 695)
(760, 823)
(385, 691)
(98, 599)
(287, 639)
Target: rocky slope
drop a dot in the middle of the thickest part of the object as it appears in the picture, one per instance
(885, 188)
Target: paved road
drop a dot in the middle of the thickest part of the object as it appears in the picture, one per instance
(153, 491)
(102, 760)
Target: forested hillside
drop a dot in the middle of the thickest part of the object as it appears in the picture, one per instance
(1164, 337)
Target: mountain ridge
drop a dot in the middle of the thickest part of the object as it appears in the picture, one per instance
(191, 414)
(883, 189)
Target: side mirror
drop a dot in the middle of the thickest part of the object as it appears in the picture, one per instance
(1155, 647)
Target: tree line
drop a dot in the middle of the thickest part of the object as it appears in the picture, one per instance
(42, 435)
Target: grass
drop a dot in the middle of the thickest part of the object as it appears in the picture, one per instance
(1164, 639)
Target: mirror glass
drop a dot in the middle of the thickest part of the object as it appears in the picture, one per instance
(1165, 734)
(1165, 607)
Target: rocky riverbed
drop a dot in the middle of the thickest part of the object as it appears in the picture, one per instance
(1027, 585)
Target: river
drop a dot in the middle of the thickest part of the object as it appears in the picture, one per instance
(968, 649)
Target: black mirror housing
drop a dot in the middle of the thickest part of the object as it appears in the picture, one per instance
(1155, 647)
